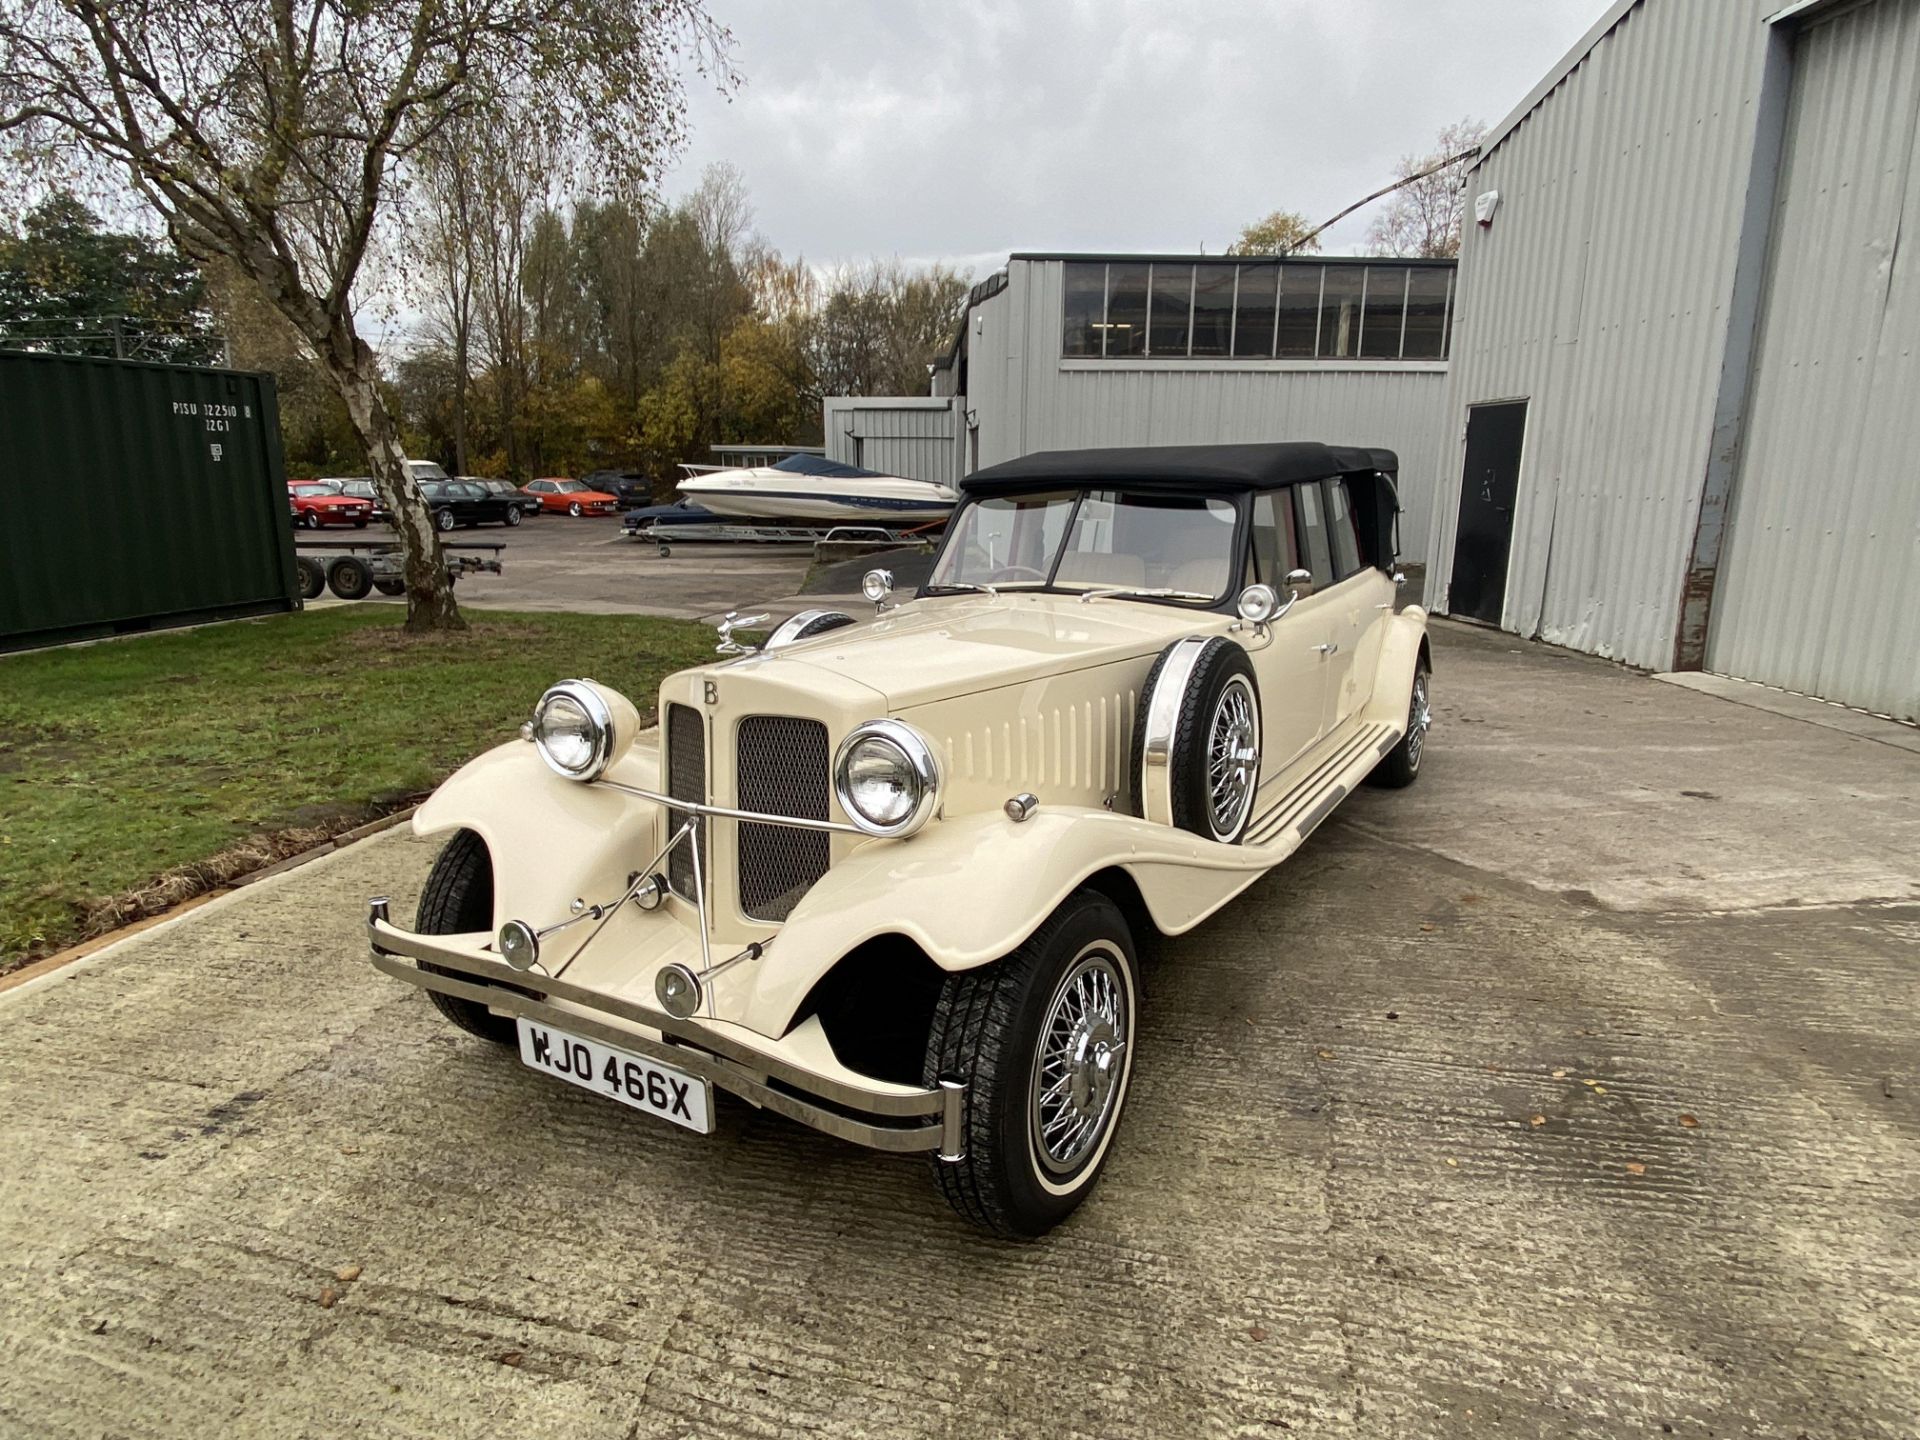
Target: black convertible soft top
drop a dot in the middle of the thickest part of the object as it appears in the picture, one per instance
(1214, 467)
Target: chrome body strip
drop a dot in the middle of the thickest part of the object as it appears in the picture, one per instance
(1163, 713)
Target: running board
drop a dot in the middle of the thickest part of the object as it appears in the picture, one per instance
(1315, 794)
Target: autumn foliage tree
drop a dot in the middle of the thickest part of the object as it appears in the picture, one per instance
(286, 139)
(1284, 232)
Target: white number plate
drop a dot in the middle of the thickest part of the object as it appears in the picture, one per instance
(631, 1079)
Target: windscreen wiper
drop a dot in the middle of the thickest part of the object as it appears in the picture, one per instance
(1160, 593)
(954, 587)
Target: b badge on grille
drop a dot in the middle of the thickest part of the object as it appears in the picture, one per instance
(712, 693)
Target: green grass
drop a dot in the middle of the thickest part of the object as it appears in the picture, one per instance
(223, 747)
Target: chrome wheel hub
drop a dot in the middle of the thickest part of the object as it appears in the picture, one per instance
(1080, 1063)
(1419, 719)
(1233, 758)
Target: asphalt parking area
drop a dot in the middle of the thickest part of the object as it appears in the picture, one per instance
(587, 566)
(1570, 1092)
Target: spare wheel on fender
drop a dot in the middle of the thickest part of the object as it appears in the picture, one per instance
(1196, 739)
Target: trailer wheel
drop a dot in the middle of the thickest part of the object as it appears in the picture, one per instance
(665, 551)
(390, 587)
(349, 578)
(312, 576)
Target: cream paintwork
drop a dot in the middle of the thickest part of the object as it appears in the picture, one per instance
(1015, 692)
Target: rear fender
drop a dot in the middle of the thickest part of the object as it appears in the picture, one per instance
(1401, 650)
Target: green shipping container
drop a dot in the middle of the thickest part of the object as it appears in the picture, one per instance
(135, 496)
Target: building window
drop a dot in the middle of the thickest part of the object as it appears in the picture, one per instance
(1256, 310)
(1342, 291)
(1084, 309)
(1213, 309)
(1127, 309)
(1427, 293)
(1383, 312)
(1299, 311)
(1172, 320)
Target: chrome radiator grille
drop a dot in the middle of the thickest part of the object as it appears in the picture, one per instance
(783, 771)
(686, 780)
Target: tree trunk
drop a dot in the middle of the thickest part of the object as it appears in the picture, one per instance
(460, 466)
(430, 602)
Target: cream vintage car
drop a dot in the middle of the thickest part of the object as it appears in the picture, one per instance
(888, 876)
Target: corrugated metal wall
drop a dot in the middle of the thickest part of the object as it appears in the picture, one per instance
(918, 436)
(1817, 584)
(1025, 397)
(1600, 295)
(136, 495)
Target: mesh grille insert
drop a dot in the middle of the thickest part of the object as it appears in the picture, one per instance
(686, 780)
(783, 771)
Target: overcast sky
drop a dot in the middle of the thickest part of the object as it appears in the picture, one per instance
(963, 131)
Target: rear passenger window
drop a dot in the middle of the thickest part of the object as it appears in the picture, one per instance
(1273, 543)
(1346, 536)
(1313, 535)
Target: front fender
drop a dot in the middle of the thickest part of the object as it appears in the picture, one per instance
(551, 839)
(969, 890)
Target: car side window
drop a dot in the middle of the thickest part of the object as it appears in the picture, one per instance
(1316, 554)
(1346, 536)
(1274, 544)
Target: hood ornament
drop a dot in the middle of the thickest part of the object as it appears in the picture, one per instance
(733, 620)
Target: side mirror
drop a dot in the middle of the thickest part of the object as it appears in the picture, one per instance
(1299, 581)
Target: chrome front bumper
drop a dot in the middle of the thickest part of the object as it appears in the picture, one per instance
(883, 1118)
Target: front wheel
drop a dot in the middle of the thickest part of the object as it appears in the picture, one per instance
(574, 510)
(311, 519)
(1043, 1039)
(1401, 765)
(443, 520)
(457, 901)
(513, 515)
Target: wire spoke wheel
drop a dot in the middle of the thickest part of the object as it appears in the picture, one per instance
(1233, 757)
(1080, 1062)
(1419, 719)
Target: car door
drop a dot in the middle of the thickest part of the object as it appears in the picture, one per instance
(1364, 600)
(1289, 667)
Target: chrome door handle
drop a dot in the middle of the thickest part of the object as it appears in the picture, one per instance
(1327, 649)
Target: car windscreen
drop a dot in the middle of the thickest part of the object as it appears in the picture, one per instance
(1176, 547)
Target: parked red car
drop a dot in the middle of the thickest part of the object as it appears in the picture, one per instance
(571, 497)
(316, 503)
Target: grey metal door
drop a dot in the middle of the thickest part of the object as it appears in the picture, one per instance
(1816, 584)
(1489, 481)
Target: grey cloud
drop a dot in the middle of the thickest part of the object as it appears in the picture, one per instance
(965, 131)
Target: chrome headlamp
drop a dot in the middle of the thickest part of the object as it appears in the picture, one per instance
(578, 729)
(887, 778)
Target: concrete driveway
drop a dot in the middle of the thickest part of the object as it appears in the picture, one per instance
(1571, 1092)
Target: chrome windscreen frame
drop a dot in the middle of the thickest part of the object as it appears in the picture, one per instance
(921, 1120)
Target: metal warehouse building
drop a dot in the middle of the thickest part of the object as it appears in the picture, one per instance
(1059, 351)
(1683, 411)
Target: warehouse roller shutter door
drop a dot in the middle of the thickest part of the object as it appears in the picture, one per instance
(1819, 587)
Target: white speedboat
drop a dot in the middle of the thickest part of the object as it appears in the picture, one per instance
(806, 488)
